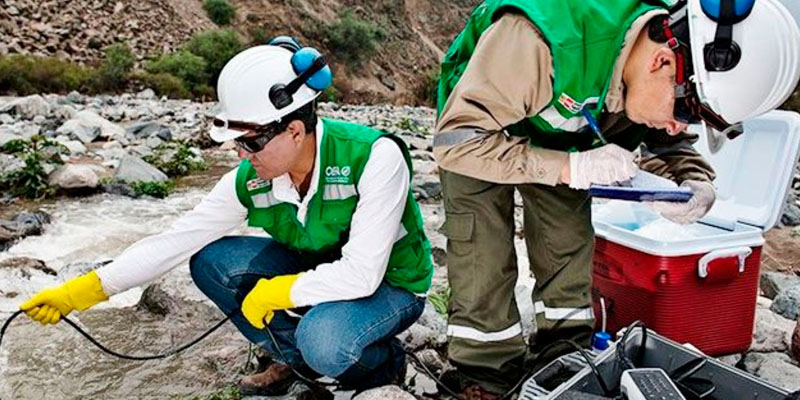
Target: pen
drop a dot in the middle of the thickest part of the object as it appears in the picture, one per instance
(593, 125)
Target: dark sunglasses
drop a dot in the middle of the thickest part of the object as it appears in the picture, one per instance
(251, 144)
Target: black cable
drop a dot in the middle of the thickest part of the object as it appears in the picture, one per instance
(114, 353)
(623, 360)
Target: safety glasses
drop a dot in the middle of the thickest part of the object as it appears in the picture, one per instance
(250, 144)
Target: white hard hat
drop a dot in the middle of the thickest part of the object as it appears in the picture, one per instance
(763, 70)
(244, 90)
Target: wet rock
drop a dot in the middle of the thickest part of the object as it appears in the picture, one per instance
(77, 269)
(27, 107)
(144, 130)
(389, 392)
(133, 169)
(156, 301)
(775, 368)
(773, 332)
(432, 359)
(787, 303)
(25, 264)
(77, 176)
(795, 347)
(78, 129)
(119, 189)
(772, 283)
(20, 226)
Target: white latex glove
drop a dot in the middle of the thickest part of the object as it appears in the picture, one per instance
(692, 210)
(602, 166)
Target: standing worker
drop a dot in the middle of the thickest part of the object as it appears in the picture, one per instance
(347, 237)
(529, 93)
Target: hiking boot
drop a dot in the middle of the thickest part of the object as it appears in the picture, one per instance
(274, 381)
(476, 392)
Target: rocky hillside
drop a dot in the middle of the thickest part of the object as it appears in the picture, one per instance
(415, 33)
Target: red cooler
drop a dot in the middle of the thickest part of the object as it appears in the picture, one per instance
(698, 284)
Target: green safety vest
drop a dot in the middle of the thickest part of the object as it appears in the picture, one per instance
(344, 151)
(585, 39)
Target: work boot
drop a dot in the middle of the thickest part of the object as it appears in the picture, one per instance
(476, 392)
(274, 381)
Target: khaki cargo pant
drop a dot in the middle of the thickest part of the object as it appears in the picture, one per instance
(485, 335)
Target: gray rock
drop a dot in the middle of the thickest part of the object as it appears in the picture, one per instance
(75, 97)
(108, 129)
(6, 136)
(439, 256)
(415, 143)
(27, 107)
(64, 112)
(133, 169)
(144, 130)
(6, 119)
(76, 148)
(147, 94)
(426, 187)
(27, 130)
(791, 214)
(772, 283)
(39, 119)
(773, 332)
(795, 346)
(27, 224)
(775, 368)
(79, 129)
(389, 392)
(787, 303)
(77, 176)
(77, 269)
(156, 301)
(119, 189)
(25, 264)
(153, 142)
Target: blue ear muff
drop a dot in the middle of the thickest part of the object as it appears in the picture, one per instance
(740, 10)
(302, 61)
(287, 42)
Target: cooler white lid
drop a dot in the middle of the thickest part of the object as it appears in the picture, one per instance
(755, 170)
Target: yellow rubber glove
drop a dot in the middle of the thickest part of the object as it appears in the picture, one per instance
(267, 296)
(49, 305)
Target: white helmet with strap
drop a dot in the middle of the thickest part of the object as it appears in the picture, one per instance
(262, 84)
(739, 59)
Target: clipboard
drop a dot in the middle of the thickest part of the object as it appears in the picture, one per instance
(644, 186)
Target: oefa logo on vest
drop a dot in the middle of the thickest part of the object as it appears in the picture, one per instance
(337, 174)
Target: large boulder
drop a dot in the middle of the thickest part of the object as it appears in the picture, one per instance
(6, 135)
(772, 283)
(787, 303)
(773, 332)
(133, 169)
(775, 368)
(108, 129)
(77, 176)
(27, 107)
(79, 129)
(144, 130)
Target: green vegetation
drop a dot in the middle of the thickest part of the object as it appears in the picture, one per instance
(331, 94)
(353, 40)
(176, 159)
(155, 189)
(216, 48)
(25, 75)
(112, 73)
(31, 180)
(426, 91)
(187, 67)
(439, 298)
(221, 12)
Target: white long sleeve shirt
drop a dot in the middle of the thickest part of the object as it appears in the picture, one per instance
(375, 227)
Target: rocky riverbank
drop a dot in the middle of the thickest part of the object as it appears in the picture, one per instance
(96, 214)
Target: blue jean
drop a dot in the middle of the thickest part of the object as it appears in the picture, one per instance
(352, 341)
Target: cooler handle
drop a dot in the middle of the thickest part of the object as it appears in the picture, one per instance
(740, 252)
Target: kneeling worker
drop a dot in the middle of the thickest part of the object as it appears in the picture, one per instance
(346, 240)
